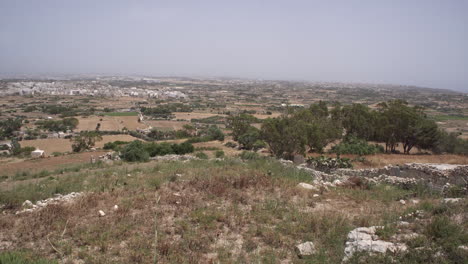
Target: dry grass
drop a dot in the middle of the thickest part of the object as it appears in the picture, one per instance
(380, 160)
(49, 145)
(50, 163)
(215, 212)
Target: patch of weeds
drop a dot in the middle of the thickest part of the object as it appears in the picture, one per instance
(249, 155)
(201, 155)
(207, 217)
(387, 231)
(219, 154)
(155, 182)
(19, 257)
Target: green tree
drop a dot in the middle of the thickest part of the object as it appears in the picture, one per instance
(135, 152)
(85, 140)
(9, 126)
(284, 136)
(249, 138)
(240, 124)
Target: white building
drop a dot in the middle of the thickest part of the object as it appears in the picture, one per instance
(38, 153)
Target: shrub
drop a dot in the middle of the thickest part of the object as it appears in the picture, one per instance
(201, 155)
(249, 155)
(135, 152)
(353, 145)
(219, 154)
(230, 144)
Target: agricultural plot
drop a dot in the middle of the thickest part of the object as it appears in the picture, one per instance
(51, 145)
(166, 124)
(109, 123)
(193, 115)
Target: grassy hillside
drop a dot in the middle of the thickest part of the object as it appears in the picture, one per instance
(226, 211)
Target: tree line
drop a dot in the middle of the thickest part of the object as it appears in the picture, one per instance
(312, 129)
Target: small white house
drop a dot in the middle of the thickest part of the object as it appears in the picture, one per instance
(38, 153)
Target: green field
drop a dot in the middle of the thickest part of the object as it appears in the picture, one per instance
(449, 117)
(121, 114)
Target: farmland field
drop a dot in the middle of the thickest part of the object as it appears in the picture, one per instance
(121, 114)
(166, 124)
(194, 115)
(51, 145)
(109, 123)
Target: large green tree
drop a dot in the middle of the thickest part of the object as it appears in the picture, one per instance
(285, 136)
(85, 140)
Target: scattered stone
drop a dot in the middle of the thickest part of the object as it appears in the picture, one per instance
(101, 213)
(463, 247)
(305, 249)
(27, 203)
(308, 186)
(452, 200)
(315, 195)
(365, 239)
(403, 223)
(414, 201)
(116, 207)
(30, 207)
(403, 202)
(174, 158)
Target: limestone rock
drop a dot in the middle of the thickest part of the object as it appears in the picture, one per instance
(307, 186)
(306, 249)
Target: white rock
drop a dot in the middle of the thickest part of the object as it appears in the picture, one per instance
(415, 201)
(101, 213)
(307, 186)
(315, 195)
(27, 203)
(337, 182)
(116, 207)
(452, 200)
(356, 236)
(403, 223)
(463, 247)
(403, 202)
(305, 249)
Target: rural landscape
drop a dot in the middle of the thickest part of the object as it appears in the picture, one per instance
(237, 132)
(183, 170)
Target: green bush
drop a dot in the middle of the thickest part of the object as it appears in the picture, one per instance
(353, 145)
(135, 152)
(116, 145)
(201, 155)
(219, 154)
(249, 155)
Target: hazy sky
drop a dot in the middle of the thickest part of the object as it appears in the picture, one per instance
(412, 42)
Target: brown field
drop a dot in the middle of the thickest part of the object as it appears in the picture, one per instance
(50, 163)
(261, 116)
(109, 123)
(166, 125)
(112, 138)
(381, 160)
(51, 145)
(188, 116)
